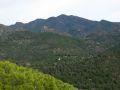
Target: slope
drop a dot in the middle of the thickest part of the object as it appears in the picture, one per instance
(91, 62)
(13, 77)
(69, 25)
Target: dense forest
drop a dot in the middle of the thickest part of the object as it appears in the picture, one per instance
(13, 77)
(87, 63)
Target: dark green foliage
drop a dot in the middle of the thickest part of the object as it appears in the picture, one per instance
(101, 72)
(89, 63)
(13, 77)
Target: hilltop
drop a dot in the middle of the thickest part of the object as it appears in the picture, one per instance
(69, 25)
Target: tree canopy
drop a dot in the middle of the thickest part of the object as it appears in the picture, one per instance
(13, 77)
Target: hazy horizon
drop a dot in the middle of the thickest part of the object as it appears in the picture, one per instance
(28, 10)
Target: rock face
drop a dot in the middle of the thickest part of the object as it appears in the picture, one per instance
(72, 25)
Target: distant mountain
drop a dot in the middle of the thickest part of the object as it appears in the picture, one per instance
(89, 63)
(4, 28)
(70, 25)
(4, 32)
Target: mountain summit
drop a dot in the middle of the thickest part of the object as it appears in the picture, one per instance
(71, 25)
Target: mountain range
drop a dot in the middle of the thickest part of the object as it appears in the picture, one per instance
(78, 51)
(68, 25)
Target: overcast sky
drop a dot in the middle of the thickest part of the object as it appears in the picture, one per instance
(12, 11)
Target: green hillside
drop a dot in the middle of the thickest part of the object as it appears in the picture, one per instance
(41, 47)
(13, 77)
(88, 63)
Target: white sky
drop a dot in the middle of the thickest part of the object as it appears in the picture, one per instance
(12, 11)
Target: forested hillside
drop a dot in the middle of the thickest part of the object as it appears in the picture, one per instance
(13, 77)
(87, 63)
(86, 56)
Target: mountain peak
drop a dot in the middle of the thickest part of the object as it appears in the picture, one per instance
(70, 24)
(104, 21)
(18, 23)
(62, 15)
